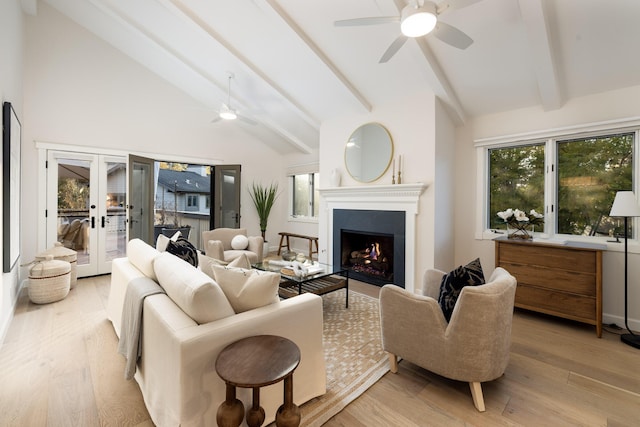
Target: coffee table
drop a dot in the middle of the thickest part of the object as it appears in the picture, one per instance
(327, 279)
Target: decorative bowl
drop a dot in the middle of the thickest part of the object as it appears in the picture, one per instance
(288, 255)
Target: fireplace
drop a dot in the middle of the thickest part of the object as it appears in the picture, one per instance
(403, 199)
(370, 244)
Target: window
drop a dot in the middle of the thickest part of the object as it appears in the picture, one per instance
(590, 172)
(305, 196)
(192, 201)
(573, 181)
(516, 180)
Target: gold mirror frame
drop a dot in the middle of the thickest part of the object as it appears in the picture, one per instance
(368, 152)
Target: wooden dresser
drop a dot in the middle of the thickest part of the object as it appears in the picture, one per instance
(560, 280)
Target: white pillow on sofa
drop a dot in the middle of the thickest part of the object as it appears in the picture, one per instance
(192, 290)
(142, 255)
(239, 242)
(247, 289)
(162, 241)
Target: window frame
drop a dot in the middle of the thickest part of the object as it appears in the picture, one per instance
(550, 139)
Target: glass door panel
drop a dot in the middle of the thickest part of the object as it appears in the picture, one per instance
(85, 208)
(226, 196)
(113, 219)
(141, 198)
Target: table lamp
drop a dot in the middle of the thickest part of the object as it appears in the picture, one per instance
(625, 205)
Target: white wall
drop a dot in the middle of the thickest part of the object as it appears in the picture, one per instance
(11, 66)
(612, 105)
(81, 91)
(424, 136)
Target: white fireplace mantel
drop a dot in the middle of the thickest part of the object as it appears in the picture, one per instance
(397, 197)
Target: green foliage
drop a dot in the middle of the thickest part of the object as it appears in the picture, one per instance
(516, 179)
(72, 194)
(590, 172)
(263, 199)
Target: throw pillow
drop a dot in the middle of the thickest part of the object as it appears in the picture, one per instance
(183, 249)
(453, 282)
(240, 242)
(194, 292)
(163, 241)
(247, 289)
(207, 263)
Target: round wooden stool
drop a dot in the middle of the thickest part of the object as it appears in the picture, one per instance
(256, 362)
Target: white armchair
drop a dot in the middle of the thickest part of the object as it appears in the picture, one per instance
(217, 244)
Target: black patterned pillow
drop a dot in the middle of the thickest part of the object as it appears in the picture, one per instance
(453, 282)
(183, 249)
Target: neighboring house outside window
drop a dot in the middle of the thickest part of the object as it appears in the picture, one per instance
(572, 180)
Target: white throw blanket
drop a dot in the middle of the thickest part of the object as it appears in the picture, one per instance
(130, 345)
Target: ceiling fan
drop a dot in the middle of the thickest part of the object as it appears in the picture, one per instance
(228, 113)
(416, 20)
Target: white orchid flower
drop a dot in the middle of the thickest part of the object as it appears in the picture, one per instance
(535, 214)
(521, 216)
(505, 215)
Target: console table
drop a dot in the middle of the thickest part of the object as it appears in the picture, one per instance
(563, 280)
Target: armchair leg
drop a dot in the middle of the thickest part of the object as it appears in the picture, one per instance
(393, 363)
(476, 393)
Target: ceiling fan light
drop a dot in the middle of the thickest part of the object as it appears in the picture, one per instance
(228, 115)
(418, 21)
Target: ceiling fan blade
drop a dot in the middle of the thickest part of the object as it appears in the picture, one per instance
(393, 48)
(452, 36)
(247, 120)
(375, 20)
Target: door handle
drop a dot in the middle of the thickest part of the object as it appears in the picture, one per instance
(93, 222)
(102, 219)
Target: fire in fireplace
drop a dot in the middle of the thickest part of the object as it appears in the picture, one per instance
(358, 232)
(369, 254)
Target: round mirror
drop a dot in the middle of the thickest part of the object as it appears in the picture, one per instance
(368, 152)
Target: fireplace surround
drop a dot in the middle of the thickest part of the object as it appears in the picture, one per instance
(400, 197)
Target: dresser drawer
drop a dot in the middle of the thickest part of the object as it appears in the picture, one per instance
(560, 304)
(548, 257)
(550, 278)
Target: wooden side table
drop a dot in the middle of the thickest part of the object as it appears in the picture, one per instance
(255, 362)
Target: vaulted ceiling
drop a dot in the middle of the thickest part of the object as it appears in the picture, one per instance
(293, 68)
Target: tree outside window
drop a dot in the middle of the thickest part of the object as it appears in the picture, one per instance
(516, 181)
(587, 171)
(590, 172)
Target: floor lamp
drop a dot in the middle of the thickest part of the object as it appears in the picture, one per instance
(625, 205)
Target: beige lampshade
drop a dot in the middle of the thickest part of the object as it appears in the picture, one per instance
(625, 204)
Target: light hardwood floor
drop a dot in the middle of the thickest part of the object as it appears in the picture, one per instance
(59, 367)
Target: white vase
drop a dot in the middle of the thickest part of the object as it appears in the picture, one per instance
(335, 178)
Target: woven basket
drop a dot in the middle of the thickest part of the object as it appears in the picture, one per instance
(61, 253)
(49, 280)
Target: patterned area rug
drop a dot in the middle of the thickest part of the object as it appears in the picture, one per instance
(353, 353)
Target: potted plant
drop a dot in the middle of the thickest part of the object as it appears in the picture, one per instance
(263, 199)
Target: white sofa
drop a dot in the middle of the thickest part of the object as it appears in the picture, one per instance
(176, 370)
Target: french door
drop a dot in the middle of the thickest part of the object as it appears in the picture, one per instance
(225, 183)
(86, 199)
